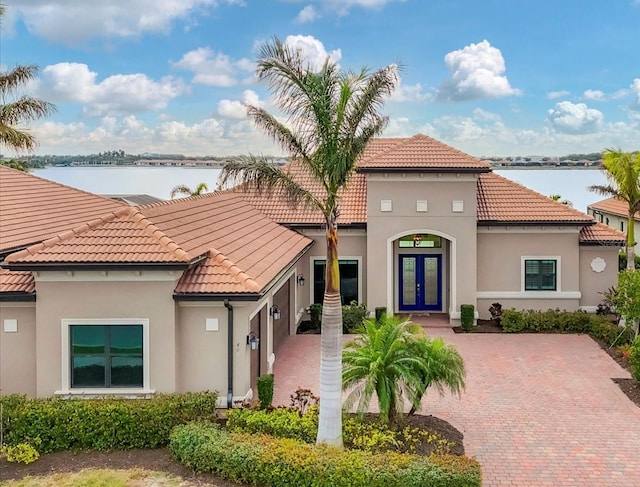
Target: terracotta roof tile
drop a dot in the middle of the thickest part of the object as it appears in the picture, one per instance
(16, 281)
(615, 207)
(502, 200)
(417, 152)
(124, 236)
(33, 209)
(352, 200)
(601, 234)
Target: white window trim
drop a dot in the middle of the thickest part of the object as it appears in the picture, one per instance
(558, 289)
(314, 258)
(66, 388)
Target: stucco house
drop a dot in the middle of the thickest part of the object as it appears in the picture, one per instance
(613, 213)
(98, 297)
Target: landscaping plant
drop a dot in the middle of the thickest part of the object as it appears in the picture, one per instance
(467, 318)
(394, 360)
(496, 313)
(265, 390)
(634, 358)
(627, 299)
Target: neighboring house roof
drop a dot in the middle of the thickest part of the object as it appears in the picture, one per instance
(419, 153)
(614, 206)
(239, 249)
(33, 209)
(14, 283)
(501, 200)
(134, 199)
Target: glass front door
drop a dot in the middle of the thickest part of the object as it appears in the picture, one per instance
(420, 282)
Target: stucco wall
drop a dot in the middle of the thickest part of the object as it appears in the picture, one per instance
(90, 296)
(18, 350)
(500, 272)
(591, 282)
(383, 227)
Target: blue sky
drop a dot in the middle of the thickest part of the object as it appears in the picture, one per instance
(490, 77)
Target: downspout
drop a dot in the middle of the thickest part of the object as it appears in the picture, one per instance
(229, 353)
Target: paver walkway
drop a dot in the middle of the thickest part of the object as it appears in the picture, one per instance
(539, 410)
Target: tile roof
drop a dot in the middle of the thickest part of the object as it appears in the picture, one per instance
(502, 200)
(419, 152)
(601, 234)
(243, 250)
(352, 200)
(33, 209)
(615, 207)
(16, 281)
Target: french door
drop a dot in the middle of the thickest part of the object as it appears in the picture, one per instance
(420, 282)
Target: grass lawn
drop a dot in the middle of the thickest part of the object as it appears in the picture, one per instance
(106, 478)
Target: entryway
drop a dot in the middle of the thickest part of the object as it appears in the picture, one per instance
(420, 282)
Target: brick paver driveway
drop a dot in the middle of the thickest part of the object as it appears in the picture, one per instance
(538, 409)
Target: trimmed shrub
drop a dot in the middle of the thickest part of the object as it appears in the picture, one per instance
(56, 424)
(315, 315)
(283, 423)
(353, 315)
(262, 460)
(20, 453)
(265, 390)
(634, 358)
(556, 321)
(466, 316)
(380, 312)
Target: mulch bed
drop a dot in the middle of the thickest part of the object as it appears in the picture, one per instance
(483, 326)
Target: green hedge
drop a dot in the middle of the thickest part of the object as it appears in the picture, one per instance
(283, 423)
(467, 316)
(556, 321)
(266, 461)
(104, 424)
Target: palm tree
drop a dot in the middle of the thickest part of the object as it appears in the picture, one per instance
(379, 360)
(558, 198)
(330, 117)
(20, 111)
(186, 190)
(444, 368)
(396, 360)
(622, 170)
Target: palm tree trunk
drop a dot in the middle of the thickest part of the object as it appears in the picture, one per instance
(631, 242)
(330, 421)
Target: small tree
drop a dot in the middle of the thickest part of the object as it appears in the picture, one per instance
(187, 191)
(627, 298)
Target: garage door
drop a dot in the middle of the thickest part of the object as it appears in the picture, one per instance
(281, 326)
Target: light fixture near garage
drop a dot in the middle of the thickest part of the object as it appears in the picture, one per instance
(275, 312)
(300, 280)
(253, 341)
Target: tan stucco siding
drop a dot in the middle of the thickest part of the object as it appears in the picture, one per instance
(18, 349)
(384, 227)
(593, 283)
(75, 299)
(500, 267)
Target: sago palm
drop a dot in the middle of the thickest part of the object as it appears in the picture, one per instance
(622, 170)
(16, 112)
(382, 360)
(330, 116)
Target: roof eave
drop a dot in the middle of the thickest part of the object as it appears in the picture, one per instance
(17, 296)
(487, 223)
(217, 296)
(601, 243)
(95, 266)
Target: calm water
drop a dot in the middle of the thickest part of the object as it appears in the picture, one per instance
(158, 181)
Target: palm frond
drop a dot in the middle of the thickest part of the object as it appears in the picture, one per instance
(181, 189)
(261, 175)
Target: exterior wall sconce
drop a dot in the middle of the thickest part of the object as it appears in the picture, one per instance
(253, 341)
(275, 312)
(300, 280)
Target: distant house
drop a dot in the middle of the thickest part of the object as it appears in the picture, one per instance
(613, 213)
(134, 199)
(97, 297)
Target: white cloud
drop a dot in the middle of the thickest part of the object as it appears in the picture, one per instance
(553, 95)
(484, 116)
(73, 21)
(575, 118)
(477, 71)
(634, 107)
(116, 95)
(237, 110)
(214, 69)
(312, 50)
(595, 95)
(307, 14)
(410, 93)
